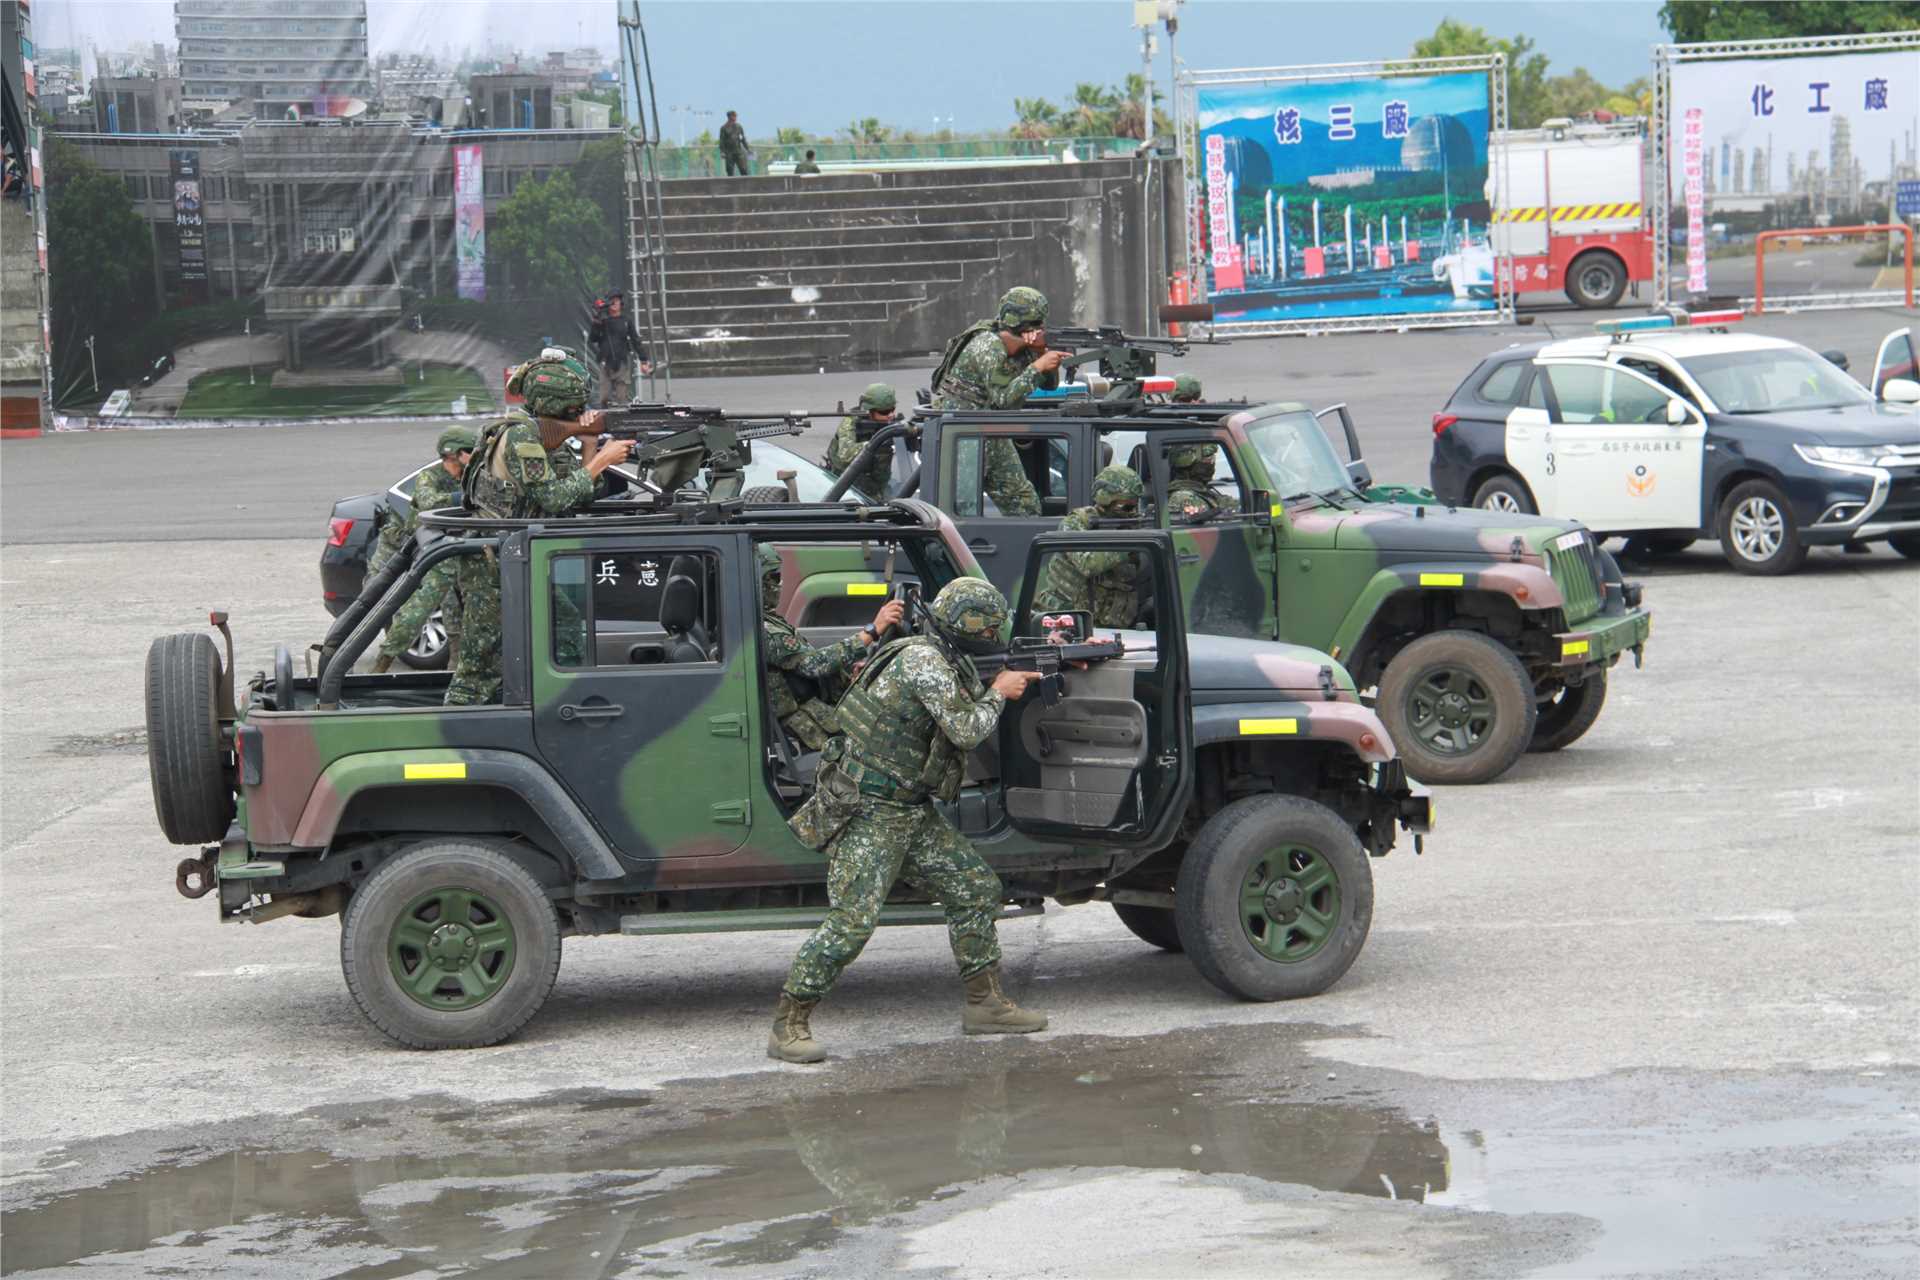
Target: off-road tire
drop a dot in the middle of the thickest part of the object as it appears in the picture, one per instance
(1564, 720)
(1498, 678)
(1595, 280)
(192, 790)
(1505, 487)
(477, 866)
(1647, 547)
(1156, 926)
(1756, 498)
(1907, 544)
(1228, 856)
(765, 493)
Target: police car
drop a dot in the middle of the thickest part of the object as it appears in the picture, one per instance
(1669, 428)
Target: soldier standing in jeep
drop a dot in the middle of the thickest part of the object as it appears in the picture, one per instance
(522, 467)
(803, 681)
(436, 486)
(876, 405)
(1190, 493)
(907, 724)
(1106, 583)
(997, 364)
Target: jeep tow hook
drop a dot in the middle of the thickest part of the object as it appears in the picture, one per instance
(194, 877)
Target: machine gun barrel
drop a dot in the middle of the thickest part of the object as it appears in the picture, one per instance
(1081, 337)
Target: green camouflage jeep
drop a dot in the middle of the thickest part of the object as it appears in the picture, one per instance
(1483, 635)
(1223, 795)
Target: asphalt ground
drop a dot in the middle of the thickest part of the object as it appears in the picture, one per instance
(1645, 1007)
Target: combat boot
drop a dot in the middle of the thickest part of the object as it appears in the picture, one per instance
(381, 663)
(791, 1040)
(991, 1011)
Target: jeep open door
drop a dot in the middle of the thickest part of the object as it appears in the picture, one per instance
(957, 461)
(1110, 763)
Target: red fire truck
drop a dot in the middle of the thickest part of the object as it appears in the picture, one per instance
(1575, 216)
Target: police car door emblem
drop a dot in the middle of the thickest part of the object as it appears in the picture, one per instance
(1641, 482)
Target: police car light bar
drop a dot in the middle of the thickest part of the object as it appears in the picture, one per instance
(1732, 315)
(1672, 320)
(1066, 392)
(1638, 324)
(1157, 384)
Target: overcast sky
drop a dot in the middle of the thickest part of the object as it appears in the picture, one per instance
(817, 64)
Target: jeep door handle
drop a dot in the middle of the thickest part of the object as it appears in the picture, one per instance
(590, 711)
(984, 547)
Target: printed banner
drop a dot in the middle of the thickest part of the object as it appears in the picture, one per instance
(1363, 197)
(189, 221)
(469, 223)
(1813, 141)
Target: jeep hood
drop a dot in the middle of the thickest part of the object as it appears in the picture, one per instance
(1262, 668)
(1434, 532)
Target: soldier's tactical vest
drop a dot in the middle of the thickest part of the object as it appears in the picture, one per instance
(894, 749)
(1068, 584)
(487, 486)
(945, 383)
(797, 702)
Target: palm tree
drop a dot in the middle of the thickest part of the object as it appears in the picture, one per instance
(867, 130)
(1037, 118)
(1092, 108)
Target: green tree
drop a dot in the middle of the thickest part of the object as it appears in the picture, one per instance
(1092, 109)
(553, 238)
(1035, 117)
(1526, 70)
(867, 130)
(787, 137)
(99, 272)
(1690, 21)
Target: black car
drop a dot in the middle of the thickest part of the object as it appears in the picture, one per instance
(1665, 436)
(354, 527)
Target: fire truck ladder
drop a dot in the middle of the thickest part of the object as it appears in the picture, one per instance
(646, 227)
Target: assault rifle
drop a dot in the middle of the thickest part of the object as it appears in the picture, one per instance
(674, 441)
(1050, 657)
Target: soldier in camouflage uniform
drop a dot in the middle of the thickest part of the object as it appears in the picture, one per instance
(997, 364)
(876, 405)
(522, 468)
(915, 710)
(802, 681)
(437, 486)
(1190, 493)
(1186, 389)
(1105, 582)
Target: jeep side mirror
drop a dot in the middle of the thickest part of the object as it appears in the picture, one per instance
(1900, 391)
(1362, 474)
(1677, 412)
(1261, 502)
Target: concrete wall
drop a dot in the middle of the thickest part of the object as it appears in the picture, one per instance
(20, 346)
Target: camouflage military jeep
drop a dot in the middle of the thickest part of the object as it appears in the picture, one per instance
(1484, 635)
(1222, 795)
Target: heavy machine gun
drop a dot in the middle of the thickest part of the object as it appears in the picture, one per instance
(672, 442)
(1120, 357)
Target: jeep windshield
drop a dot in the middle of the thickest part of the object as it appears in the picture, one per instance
(1300, 463)
(1774, 378)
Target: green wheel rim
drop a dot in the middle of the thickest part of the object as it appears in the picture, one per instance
(451, 949)
(1450, 711)
(1290, 903)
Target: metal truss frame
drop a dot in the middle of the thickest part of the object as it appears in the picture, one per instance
(1188, 86)
(1665, 57)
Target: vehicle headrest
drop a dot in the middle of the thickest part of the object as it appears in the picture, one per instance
(680, 604)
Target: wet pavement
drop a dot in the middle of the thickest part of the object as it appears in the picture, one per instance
(1228, 1151)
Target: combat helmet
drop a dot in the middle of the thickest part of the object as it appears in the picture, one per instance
(878, 395)
(767, 560)
(1192, 462)
(1021, 308)
(1186, 389)
(971, 614)
(456, 440)
(553, 385)
(1114, 485)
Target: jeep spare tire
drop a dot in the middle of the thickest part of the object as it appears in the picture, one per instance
(192, 795)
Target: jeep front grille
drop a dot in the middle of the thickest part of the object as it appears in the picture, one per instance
(1577, 571)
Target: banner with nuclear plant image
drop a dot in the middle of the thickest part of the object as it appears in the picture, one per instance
(1351, 196)
(1766, 136)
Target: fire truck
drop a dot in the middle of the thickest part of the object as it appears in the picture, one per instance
(1575, 216)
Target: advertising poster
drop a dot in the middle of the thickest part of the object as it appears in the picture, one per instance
(1814, 141)
(469, 223)
(189, 221)
(1335, 199)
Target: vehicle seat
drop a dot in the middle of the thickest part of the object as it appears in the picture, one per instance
(680, 617)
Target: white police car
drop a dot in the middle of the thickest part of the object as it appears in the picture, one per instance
(1669, 428)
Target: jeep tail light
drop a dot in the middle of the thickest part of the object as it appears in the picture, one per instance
(343, 525)
(1441, 421)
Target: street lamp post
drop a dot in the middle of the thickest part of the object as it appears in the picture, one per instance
(93, 364)
(247, 329)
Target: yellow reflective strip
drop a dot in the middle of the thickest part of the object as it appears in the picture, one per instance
(866, 588)
(1277, 510)
(1443, 579)
(434, 772)
(1254, 728)
(1573, 648)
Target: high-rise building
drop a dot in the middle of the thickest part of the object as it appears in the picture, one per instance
(279, 57)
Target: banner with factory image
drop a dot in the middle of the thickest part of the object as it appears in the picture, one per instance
(1346, 201)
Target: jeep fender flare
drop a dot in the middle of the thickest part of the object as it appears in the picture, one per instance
(1529, 587)
(352, 776)
(1350, 724)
